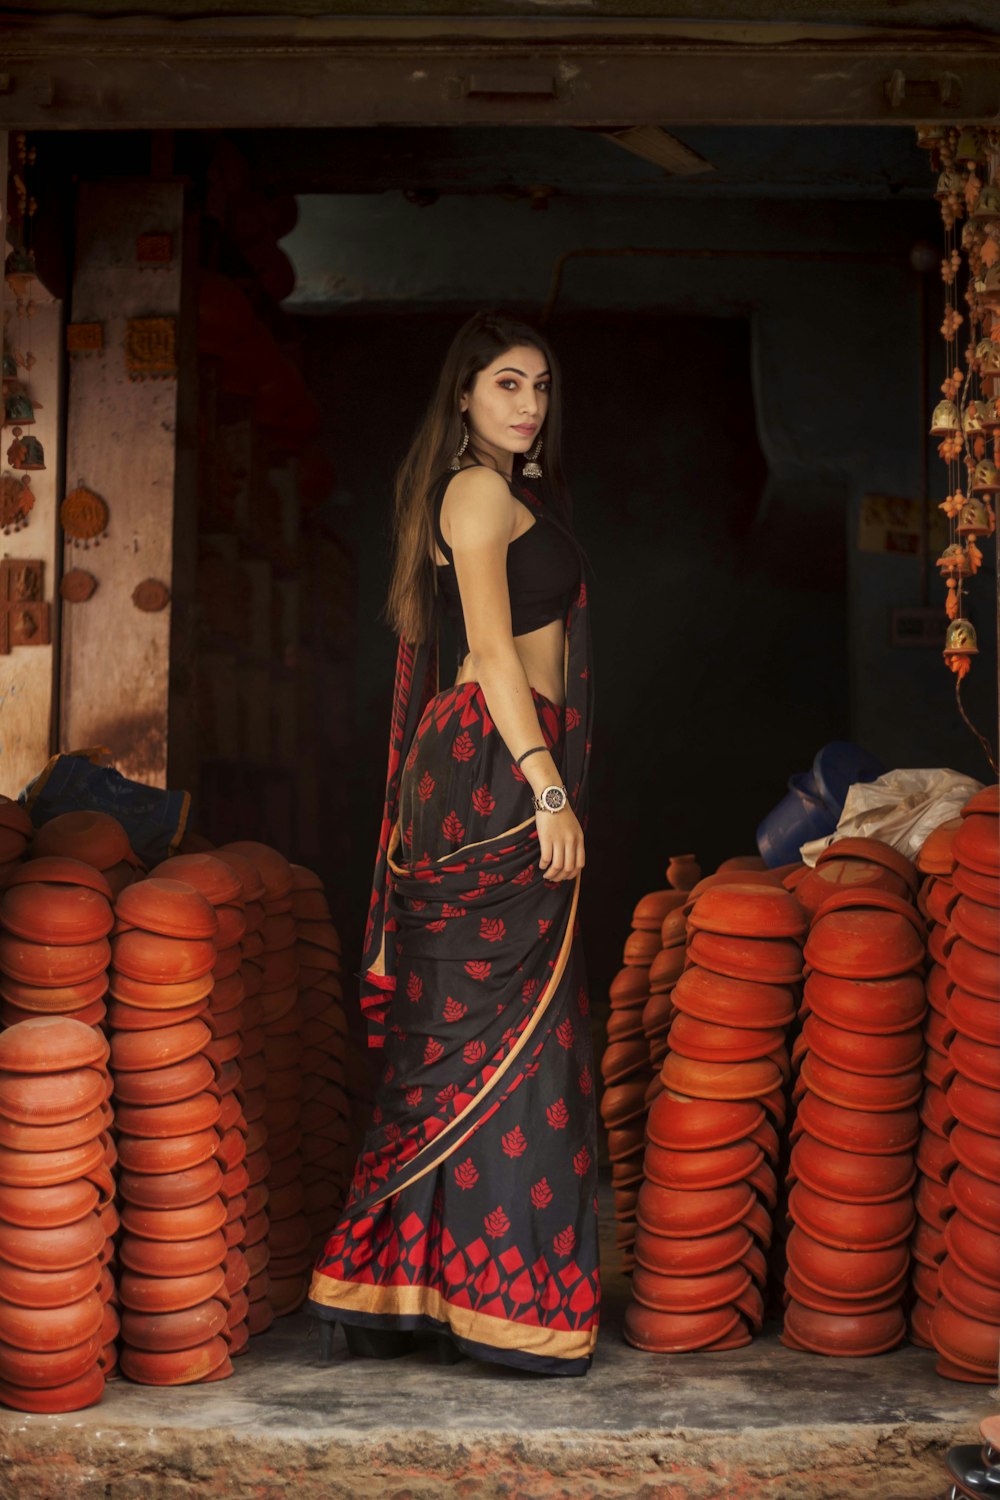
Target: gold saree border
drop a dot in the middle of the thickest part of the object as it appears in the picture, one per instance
(479, 1328)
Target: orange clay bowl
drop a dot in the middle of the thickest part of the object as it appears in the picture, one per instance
(155, 959)
(630, 986)
(273, 868)
(57, 870)
(732, 1002)
(858, 1091)
(977, 923)
(976, 1061)
(689, 1294)
(169, 907)
(15, 817)
(165, 1294)
(936, 857)
(54, 999)
(176, 1367)
(621, 1103)
(666, 968)
(125, 1017)
(748, 911)
(763, 960)
(850, 1178)
(93, 837)
(174, 1257)
(47, 1168)
(975, 1250)
(211, 876)
(853, 1275)
(656, 1014)
(653, 907)
(58, 1249)
(860, 1052)
(48, 1207)
(170, 1154)
(875, 851)
(54, 913)
(832, 1302)
(927, 1245)
(974, 1104)
(625, 1141)
(863, 943)
(971, 1341)
(166, 1332)
(175, 1223)
(967, 1294)
(51, 1042)
(29, 1288)
(980, 887)
(161, 996)
(172, 1190)
(51, 1328)
(936, 900)
(51, 1098)
(167, 1085)
(706, 1080)
(676, 1332)
(681, 1123)
(871, 1006)
(701, 1169)
(975, 1197)
(974, 1016)
(32, 1372)
(974, 969)
(938, 1032)
(851, 1226)
(52, 964)
(86, 1015)
(141, 1051)
(935, 1157)
(707, 1042)
(620, 1059)
(973, 1149)
(156, 1121)
(841, 1334)
(935, 1112)
(839, 875)
(38, 1138)
(253, 885)
(680, 1214)
(977, 844)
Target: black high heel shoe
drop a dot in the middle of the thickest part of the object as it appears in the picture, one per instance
(378, 1343)
(443, 1351)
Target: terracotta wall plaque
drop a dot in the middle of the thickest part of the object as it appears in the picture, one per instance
(84, 516)
(85, 338)
(77, 586)
(25, 618)
(150, 348)
(154, 249)
(151, 596)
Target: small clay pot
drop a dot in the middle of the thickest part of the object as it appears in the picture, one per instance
(728, 1081)
(170, 1154)
(706, 1042)
(976, 845)
(869, 1006)
(167, 1332)
(836, 875)
(935, 1157)
(974, 1104)
(701, 1169)
(935, 1112)
(34, 1370)
(971, 1341)
(856, 1130)
(162, 997)
(48, 1207)
(95, 838)
(51, 1328)
(841, 1334)
(273, 869)
(974, 969)
(39, 1138)
(683, 1213)
(977, 923)
(858, 1091)
(974, 1249)
(974, 1016)
(977, 1198)
(56, 913)
(190, 1223)
(46, 1043)
(52, 964)
(29, 1288)
(968, 1294)
(629, 987)
(752, 910)
(675, 1332)
(57, 1249)
(174, 1367)
(125, 1017)
(875, 1055)
(848, 1274)
(620, 1103)
(186, 1117)
(980, 887)
(772, 961)
(936, 857)
(863, 943)
(689, 1294)
(976, 1061)
(876, 851)
(154, 1295)
(973, 1149)
(858, 1307)
(172, 1258)
(620, 1061)
(54, 1000)
(162, 1047)
(851, 1178)
(217, 881)
(168, 1085)
(851, 1226)
(53, 1098)
(732, 1002)
(169, 907)
(154, 959)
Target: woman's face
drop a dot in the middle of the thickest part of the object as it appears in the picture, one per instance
(507, 402)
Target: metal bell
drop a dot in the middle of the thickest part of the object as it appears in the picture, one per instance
(953, 560)
(974, 518)
(945, 419)
(985, 478)
(960, 638)
(20, 410)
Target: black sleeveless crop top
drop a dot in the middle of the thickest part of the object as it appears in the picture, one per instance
(543, 571)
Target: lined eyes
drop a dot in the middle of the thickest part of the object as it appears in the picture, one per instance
(541, 385)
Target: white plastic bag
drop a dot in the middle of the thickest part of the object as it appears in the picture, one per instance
(901, 808)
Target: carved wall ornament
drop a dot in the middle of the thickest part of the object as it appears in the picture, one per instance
(151, 595)
(85, 338)
(25, 617)
(154, 250)
(25, 452)
(16, 501)
(77, 586)
(84, 517)
(151, 348)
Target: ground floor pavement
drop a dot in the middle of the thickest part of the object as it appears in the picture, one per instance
(757, 1422)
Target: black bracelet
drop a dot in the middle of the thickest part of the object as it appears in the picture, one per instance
(529, 752)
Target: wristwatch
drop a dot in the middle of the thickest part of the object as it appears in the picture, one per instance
(551, 799)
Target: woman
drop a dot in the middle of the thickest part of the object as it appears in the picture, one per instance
(472, 1214)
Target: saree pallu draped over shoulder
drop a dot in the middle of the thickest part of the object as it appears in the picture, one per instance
(472, 1209)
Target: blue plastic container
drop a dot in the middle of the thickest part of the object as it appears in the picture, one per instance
(801, 815)
(835, 769)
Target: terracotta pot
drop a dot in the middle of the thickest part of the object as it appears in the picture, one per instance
(168, 1085)
(41, 1371)
(38, 1138)
(976, 1061)
(52, 912)
(186, 1117)
(154, 1295)
(857, 1131)
(161, 997)
(977, 923)
(53, 1098)
(51, 964)
(683, 872)
(88, 1015)
(863, 943)
(173, 1258)
(979, 1152)
(935, 1157)
(876, 851)
(171, 1154)
(689, 1294)
(732, 1002)
(706, 1042)
(757, 911)
(870, 1006)
(217, 881)
(853, 1275)
(936, 900)
(853, 1226)
(162, 1047)
(153, 958)
(95, 838)
(971, 1341)
(938, 1032)
(47, 1042)
(935, 1111)
(928, 1244)
(168, 1224)
(227, 994)
(53, 999)
(60, 1248)
(169, 907)
(253, 885)
(174, 1367)
(630, 986)
(27, 1169)
(167, 1332)
(48, 1207)
(837, 875)
(729, 1081)
(273, 869)
(852, 1178)
(701, 1169)
(841, 1334)
(938, 988)
(620, 1103)
(620, 1061)
(974, 969)
(125, 1017)
(771, 961)
(974, 1016)
(936, 857)
(683, 1213)
(30, 1288)
(51, 1328)
(967, 1294)
(980, 887)
(807, 1296)
(975, 1250)
(976, 846)
(974, 1104)
(856, 1090)
(875, 1055)
(647, 916)
(676, 1332)
(977, 1198)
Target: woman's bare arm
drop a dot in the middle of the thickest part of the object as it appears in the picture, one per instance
(481, 519)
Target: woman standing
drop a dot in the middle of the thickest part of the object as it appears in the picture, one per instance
(472, 1214)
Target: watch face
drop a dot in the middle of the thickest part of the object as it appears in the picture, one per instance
(554, 798)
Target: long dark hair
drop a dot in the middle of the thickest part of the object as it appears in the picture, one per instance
(481, 339)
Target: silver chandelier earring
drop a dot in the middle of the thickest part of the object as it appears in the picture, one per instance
(531, 468)
(461, 447)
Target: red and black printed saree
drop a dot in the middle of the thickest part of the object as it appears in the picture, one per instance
(472, 1210)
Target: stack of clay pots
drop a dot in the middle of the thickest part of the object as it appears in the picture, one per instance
(935, 1157)
(16, 831)
(97, 839)
(57, 1326)
(965, 1323)
(55, 915)
(289, 1237)
(859, 1086)
(222, 888)
(327, 1134)
(705, 1207)
(173, 1246)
